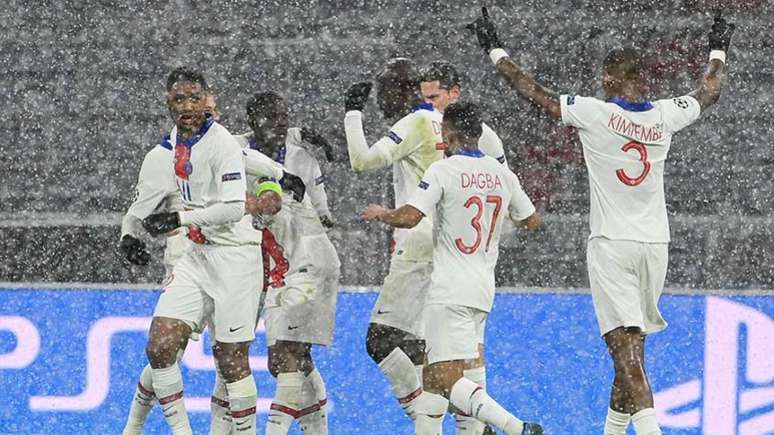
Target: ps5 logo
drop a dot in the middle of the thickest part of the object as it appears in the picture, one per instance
(738, 383)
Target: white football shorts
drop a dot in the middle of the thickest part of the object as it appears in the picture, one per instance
(627, 279)
(453, 332)
(403, 296)
(220, 285)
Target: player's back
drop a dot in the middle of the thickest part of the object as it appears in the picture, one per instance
(474, 193)
(625, 147)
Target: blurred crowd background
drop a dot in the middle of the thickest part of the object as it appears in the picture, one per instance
(83, 101)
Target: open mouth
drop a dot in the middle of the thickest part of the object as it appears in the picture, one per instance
(187, 118)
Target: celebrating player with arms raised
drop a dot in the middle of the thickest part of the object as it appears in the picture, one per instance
(625, 140)
(468, 195)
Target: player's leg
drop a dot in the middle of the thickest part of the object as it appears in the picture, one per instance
(454, 339)
(235, 288)
(313, 417)
(221, 422)
(394, 334)
(289, 362)
(476, 372)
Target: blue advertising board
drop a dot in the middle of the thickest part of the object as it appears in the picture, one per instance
(70, 359)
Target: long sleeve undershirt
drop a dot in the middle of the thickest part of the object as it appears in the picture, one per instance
(361, 157)
(220, 213)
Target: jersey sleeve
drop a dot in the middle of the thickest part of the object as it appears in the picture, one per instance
(520, 206)
(229, 171)
(491, 144)
(260, 165)
(680, 112)
(577, 111)
(429, 192)
(154, 183)
(316, 187)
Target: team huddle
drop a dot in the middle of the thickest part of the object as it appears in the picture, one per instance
(245, 219)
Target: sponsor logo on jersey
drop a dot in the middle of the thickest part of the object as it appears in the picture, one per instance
(394, 137)
(423, 185)
(231, 176)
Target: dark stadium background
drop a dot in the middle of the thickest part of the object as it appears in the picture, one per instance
(82, 102)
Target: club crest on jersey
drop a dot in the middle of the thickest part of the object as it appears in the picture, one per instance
(394, 137)
(424, 185)
(681, 103)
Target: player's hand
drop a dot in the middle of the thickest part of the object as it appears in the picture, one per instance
(485, 31)
(327, 222)
(357, 96)
(720, 35)
(315, 138)
(373, 212)
(161, 223)
(134, 250)
(293, 183)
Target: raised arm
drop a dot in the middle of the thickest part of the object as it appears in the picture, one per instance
(361, 156)
(719, 40)
(517, 78)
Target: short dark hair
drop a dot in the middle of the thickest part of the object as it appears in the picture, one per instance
(444, 72)
(400, 71)
(465, 119)
(186, 74)
(623, 62)
(258, 102)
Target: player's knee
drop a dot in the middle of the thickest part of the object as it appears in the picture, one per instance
(378, 345)
(233, 361)
(415, 349)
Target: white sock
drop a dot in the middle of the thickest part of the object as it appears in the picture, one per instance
(616, 422)
(313, 417)
(168, 386)
(471, 399)
(430, 410)
(402, 376)
(286, 403)
(220, 422)
(142, 403)
(242, 400)
(467, 425)
(420, 373)
(645, 422)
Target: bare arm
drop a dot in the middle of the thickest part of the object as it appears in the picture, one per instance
(709, 91)
(405, 217)
(528, 87)
(532, 223)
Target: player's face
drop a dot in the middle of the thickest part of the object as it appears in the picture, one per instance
(185, 102)
(211, 107)
(270, 124)
(433, 93)
(450, 140)
(392, 97)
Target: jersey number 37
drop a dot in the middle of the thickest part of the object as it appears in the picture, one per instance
(493, 201)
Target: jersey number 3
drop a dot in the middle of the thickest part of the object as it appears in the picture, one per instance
(640, 148)
(476, 222)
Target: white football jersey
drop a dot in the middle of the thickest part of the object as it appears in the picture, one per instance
(156, 190)
(625, 145)
(469, 195)
(209, 169)
(412, 144)
(298, 161)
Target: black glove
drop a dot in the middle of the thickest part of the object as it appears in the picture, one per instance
(485, 31)
(357, 95)
(316, 139)
(161, 223)
(720, 35)
(293, 183)
(134, 250)
(327, 222)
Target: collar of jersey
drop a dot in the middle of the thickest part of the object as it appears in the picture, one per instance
(422, 106)
(469, 153)
(643, 106)
(279, 157)
(193, 140)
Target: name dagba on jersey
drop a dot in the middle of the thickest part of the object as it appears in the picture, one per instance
(478, 180)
